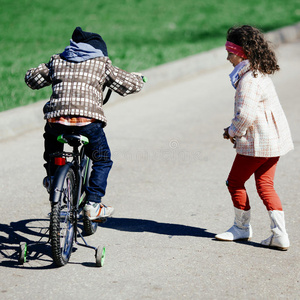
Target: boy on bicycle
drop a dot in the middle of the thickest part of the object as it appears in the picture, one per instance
(78, 76)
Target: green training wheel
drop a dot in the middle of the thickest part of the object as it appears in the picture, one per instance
(100, 256)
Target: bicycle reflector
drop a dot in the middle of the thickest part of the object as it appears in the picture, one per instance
(59, 161)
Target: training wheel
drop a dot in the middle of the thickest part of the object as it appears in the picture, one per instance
(100, 256)
(23, 252)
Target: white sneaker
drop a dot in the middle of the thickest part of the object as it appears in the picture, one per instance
(96, 211)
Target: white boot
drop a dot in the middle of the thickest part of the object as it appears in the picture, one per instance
(279, 238)
(241, 229)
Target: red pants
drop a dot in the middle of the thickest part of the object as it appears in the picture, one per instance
(263, 169)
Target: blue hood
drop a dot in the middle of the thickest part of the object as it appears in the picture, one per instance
(78, 52)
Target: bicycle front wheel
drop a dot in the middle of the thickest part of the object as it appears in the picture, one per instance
(62, 221)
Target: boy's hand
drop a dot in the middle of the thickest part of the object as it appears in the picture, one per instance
(145, 79)
(138, 74)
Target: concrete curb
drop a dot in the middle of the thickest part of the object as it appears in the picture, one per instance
(22, 119)
(161, 75)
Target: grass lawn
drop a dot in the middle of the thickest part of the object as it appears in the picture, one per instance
(139, 33)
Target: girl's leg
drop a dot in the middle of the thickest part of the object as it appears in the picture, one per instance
(242, 169)
(264, 178)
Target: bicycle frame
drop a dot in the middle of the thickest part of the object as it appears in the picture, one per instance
(78, 163)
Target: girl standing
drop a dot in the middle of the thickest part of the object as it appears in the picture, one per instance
(259, 131)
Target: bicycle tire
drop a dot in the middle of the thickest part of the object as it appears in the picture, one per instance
(62, 221)
(89, 226)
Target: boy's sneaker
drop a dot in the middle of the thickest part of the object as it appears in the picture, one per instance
(96, 211)
(47, 182)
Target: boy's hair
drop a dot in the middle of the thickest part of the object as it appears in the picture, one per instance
(257, 49)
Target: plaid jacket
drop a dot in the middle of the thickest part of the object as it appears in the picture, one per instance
(77, 88)
(259, 124)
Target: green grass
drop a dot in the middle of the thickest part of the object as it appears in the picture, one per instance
(139, 33)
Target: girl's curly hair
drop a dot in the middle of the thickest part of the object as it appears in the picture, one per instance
(257, 49)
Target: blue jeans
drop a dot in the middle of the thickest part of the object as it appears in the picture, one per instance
(97, 150)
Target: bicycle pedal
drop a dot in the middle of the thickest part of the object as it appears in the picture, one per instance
(102, 220)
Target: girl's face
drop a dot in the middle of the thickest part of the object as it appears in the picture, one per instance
(234, 59)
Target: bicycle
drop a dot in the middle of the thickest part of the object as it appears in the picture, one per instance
(67, 198)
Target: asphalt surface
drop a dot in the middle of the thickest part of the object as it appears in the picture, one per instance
(168, 189)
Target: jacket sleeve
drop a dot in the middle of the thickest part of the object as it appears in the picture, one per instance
(246, 103)
(122, 82)
(39, 77)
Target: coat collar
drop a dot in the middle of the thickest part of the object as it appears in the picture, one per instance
(239, 70)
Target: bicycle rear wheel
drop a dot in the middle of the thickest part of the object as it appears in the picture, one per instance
(62, 221)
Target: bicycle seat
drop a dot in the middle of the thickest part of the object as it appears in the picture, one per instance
(74, 140)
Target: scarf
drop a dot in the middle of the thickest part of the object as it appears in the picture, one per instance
(78, 52)
(239, 70)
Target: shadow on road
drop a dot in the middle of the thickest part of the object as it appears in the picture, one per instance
(140, 225)
(29, 231)
(39, 255)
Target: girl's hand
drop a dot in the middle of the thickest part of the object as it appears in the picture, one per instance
(226, 134)
(232, 139)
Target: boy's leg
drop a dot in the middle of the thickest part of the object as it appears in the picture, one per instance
(51, 145)
(98, 150)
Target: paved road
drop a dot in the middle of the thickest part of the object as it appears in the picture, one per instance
(167, 187)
